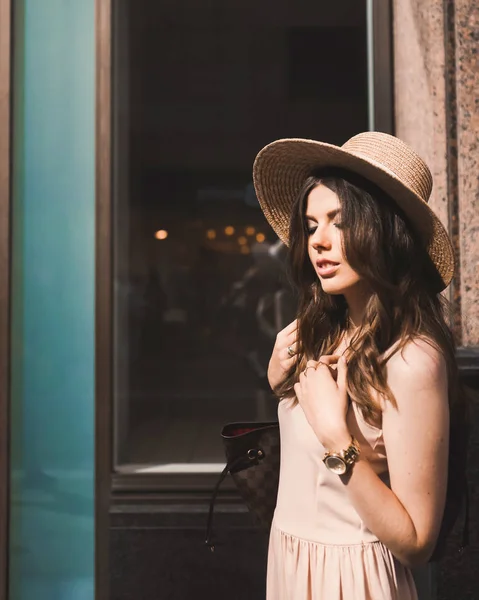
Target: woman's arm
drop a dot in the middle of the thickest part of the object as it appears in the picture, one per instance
(407, 517)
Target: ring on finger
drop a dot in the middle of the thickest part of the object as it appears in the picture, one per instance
(291, 351)
(309, 367)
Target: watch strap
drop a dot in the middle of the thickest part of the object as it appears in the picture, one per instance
(349, 455)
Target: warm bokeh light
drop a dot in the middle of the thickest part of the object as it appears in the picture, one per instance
(229, 230)
(211, 234)
(242, 240)
(260, 238)
(244, 250)
(162, 234)
(250, 230)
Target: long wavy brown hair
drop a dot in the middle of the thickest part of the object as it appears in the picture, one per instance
(381, 245)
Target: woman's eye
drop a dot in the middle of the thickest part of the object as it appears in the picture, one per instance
(311, 228)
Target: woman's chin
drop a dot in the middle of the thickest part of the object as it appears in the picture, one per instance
(332, 287)
(342, 282)
(333, 291)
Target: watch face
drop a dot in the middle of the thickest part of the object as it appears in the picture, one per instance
(335, 464)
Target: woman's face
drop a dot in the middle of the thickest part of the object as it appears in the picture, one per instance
(325, 250)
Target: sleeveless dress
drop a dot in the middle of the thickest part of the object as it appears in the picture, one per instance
(319, 549)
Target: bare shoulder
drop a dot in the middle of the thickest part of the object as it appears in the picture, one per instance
(419, 355)
(418, 371)
(417, 377)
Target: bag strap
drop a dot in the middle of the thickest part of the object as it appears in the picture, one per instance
(229, 465)
(254, 455)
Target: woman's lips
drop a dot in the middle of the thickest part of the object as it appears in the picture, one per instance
(326, 268)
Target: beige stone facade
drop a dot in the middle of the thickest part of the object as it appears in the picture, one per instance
(437, 112)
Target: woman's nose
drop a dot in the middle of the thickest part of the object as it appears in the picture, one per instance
(320, 239)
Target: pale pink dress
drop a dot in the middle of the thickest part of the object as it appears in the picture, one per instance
(319, 548)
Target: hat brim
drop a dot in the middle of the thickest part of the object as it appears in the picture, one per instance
(281, 168)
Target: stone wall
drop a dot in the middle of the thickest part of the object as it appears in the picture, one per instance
(437, 112)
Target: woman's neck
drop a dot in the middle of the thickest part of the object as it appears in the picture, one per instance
(357, 300)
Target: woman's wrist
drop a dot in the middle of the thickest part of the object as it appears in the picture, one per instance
(338, 440)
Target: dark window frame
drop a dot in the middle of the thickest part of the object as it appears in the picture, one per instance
(382, 65)
(165, 486)
(176, 492)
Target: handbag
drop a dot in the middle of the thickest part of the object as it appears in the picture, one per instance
(252, 458)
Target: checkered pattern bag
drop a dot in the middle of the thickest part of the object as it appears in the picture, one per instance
(253, 454)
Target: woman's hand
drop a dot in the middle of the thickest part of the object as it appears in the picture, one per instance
(284, 355)
(322, 394)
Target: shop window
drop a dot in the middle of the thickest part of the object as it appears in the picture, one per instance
(199, 287)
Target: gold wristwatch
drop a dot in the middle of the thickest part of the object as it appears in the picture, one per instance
(340, 463)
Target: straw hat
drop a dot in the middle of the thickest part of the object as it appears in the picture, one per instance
(281, 168)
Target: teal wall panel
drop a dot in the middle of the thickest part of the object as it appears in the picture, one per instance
(53, 219)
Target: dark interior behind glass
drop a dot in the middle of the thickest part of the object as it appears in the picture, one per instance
(199, 282)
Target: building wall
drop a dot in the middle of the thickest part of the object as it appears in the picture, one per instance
(436, 88)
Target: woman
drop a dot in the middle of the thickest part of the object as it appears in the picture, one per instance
(366, 374)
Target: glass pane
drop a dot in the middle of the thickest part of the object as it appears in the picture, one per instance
(199, 282)
(51, 530)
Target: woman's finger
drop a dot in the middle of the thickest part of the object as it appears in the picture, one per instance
(297, 390)
(323, 368)
(284, 355)
(287, 332)
(291, 328)
(287, 362)
(342, 374)
(330, 359)
(291, 347)
(308, 369)
(290, 337)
